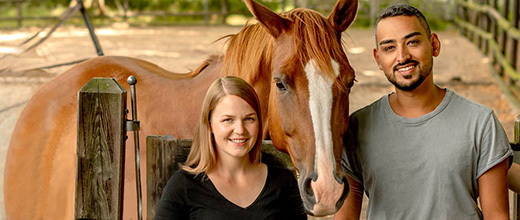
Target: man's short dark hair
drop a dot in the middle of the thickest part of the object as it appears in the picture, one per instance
(406, 10)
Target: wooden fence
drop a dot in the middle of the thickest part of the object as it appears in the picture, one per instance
(493, 25)
(19, 17)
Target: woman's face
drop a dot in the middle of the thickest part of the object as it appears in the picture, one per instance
(234, 125)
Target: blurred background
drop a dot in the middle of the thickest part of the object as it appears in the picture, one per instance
(29, 13)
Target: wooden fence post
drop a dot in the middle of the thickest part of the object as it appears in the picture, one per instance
(19, 12)
(465, 17)
(503, 41)
(125, 9)
(374, 10)
(494, 32)
(206, 11)
(515, 20)
(515, 145)
(160, 163)
(486, 20)
(100, 150)
(480, 24)
(224, 11)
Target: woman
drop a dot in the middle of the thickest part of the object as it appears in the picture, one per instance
(223, 177)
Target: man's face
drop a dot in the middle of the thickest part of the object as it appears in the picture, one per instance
(404, 52)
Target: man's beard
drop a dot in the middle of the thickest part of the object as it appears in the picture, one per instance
(423, 74)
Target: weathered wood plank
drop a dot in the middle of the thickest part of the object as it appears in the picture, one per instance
(100, 150)
(160, 163)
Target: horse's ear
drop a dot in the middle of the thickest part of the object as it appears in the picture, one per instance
(343, 14)
(273, 22)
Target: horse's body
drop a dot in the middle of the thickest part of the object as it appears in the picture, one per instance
(302, 90)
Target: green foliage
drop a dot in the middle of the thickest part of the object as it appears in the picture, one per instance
(434, 10)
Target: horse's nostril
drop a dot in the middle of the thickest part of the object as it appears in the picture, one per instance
(346, 188)
(344, 180)
(346, 191)
(308, 188)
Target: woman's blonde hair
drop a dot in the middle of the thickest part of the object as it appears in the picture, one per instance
(202, 157)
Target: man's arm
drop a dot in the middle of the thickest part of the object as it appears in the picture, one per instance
(351, 208)
(494, 192)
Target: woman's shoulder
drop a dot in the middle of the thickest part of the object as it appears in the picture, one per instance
(181, 181)
(278, 170)
(180, 175)
(183, 175)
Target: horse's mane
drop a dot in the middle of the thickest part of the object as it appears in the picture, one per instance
(316, 38)
(249, 52)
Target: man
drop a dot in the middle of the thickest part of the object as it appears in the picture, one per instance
(422, 152)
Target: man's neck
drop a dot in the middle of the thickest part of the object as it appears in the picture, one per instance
(418, 102)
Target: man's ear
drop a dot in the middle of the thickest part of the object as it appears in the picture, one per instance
(376, 57)
(436, 44)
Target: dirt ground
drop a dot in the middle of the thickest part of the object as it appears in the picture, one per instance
(460, 66)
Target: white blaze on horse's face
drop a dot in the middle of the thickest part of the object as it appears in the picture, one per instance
(320, 104)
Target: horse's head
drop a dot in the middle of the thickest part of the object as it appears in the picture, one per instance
(308, 102)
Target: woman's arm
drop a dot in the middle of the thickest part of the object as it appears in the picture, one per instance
(351, 208)
(493, 192)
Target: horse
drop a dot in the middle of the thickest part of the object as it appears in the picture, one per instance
(294, 60)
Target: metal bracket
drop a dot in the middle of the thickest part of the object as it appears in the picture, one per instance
(132, 125)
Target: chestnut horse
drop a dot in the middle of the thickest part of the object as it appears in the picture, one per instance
(294, 60)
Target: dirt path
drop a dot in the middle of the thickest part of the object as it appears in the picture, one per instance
(460, 66)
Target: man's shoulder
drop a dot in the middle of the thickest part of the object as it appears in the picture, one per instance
(469, 106)
(364, 111)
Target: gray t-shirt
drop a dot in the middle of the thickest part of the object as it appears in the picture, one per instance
(426, 167)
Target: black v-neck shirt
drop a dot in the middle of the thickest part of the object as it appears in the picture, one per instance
(187, 196)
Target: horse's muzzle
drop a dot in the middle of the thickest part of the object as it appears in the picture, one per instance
(321, 198)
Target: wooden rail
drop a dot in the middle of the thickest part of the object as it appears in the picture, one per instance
(495, 30)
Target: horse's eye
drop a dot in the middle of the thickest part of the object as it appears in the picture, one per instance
(280, 85)
(351, 84)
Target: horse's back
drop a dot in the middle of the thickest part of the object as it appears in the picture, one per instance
(40, 165)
